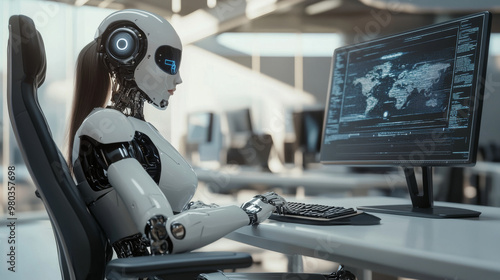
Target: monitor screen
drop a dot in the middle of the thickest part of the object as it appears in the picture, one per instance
(239, 121)
(308, 125)
(411, 99)
(200, 128)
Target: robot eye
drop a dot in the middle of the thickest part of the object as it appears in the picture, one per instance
(168, 59)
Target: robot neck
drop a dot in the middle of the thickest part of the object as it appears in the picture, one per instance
(129, 100)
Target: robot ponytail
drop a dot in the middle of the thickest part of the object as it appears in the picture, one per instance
(92, 88)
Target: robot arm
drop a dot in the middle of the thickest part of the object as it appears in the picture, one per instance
(105, 150)
(195, 228)
(204, 224)
(191, 229)
(138, 190)
(150, 210)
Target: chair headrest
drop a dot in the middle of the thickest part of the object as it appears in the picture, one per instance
(29, 41)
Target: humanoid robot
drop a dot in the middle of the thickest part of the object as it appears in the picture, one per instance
(134, 182)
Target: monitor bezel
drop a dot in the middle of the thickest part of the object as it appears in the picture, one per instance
(478, 100)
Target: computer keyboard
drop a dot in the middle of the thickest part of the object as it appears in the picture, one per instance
(315, 211)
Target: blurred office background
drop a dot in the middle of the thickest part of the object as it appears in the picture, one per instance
(255, 80)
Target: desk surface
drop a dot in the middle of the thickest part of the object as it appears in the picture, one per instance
(400, 245)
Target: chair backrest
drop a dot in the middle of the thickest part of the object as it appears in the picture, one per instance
(83, 249)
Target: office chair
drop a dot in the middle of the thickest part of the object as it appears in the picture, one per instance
(84, 251)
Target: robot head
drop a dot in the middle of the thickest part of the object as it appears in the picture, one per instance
(142, 47)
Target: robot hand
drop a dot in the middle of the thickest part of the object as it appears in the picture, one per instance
(260, 207)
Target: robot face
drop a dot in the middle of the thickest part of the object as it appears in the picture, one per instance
(143, 46)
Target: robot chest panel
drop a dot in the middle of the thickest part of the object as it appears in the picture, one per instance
(175, 177)
(144, 150)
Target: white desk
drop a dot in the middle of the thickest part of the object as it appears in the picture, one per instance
(403, 246)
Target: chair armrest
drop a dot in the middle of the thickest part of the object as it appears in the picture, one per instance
(187, 263)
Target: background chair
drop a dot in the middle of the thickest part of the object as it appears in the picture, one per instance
(84, 251)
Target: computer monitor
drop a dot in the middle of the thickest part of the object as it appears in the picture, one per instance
(308, 126)
(413, 100)
(239, 124)
(239, 121)
(200, 126)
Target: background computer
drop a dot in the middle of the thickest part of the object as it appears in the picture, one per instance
(246, 147)
(308, 125)
(411, 100)
(240, 127)
(200, 126)
(203, 141)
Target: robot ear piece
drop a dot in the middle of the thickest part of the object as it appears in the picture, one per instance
(123, 45)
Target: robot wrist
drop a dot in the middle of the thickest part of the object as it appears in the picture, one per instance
(199, 204)
(156, 233)
(257, 210)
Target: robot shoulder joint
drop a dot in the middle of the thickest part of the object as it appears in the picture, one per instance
(107, 126)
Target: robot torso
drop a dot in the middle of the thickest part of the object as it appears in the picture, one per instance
(107, 135)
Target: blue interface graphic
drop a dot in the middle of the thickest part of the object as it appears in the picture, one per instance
(172, 65)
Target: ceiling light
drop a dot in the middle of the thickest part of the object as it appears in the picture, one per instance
(258, 8)
(282, 44)
(176, 6)
(322, 6)
(80, 3)
(211, 3)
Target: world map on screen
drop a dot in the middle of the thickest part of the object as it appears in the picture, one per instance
(389, 88)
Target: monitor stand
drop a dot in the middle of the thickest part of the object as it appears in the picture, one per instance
(423, 203)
